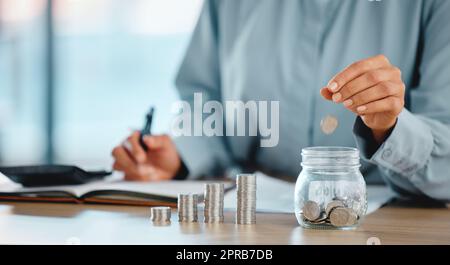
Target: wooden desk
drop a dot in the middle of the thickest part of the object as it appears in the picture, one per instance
(41, 223)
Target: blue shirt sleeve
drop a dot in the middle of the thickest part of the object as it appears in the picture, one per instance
(415, 157)
(199, 73)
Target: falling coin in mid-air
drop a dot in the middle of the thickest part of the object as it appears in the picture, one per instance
(328, 124)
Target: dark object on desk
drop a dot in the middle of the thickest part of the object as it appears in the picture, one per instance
(51, 175)
(147, 128)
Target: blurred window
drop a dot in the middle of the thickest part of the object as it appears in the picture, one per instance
(112, 60)
(21, 81)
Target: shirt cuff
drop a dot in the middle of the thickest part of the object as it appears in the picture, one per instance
(406, 150)
(183, 172)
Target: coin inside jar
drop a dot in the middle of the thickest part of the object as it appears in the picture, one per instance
(311, 211)
(321, 220)
(341, 216)
(332, 205)
(328, 124)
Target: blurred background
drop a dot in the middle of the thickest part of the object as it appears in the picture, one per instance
(77, 75)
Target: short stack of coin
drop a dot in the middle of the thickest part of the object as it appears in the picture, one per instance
(160, 214)
(246, 199)
(187, 207)
(213, 211)
(335, 214)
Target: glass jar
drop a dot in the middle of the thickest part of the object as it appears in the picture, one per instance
(330, 192)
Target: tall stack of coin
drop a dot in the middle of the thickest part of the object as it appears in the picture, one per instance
(246, 199)
(160, 214)
(214, 202)
(187, 207)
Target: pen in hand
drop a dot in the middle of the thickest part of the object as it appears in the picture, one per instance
(147, 128)
(133, 157)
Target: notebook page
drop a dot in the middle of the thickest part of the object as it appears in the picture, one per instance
(169, 188)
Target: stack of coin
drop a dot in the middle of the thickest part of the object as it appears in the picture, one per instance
(335, 214)
(246, 199)
(214, 202)
(187, 207)
(160, 214)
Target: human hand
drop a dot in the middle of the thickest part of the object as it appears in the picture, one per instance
(160, 162)
(371, 88)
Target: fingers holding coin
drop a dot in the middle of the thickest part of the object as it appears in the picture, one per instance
(366, 81)
(356, 70)
(371, 88)
(373, 94)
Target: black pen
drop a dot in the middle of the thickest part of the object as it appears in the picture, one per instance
(147, 128)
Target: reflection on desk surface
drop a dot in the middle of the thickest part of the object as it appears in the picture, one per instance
(59, 223)
(45, 223)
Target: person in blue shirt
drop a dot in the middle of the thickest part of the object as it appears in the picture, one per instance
(381, 67)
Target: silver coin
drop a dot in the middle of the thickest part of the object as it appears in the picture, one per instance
(213, 196)
(160, 214)
(341, 216)
(333, 204)
(329, 124)
(187, 207)
(246, 199)
(311, 210)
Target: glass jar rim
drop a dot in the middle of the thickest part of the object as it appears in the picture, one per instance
(330, 157)
(334, 151)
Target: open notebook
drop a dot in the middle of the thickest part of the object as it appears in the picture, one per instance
(110, 191)
(273, 195)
